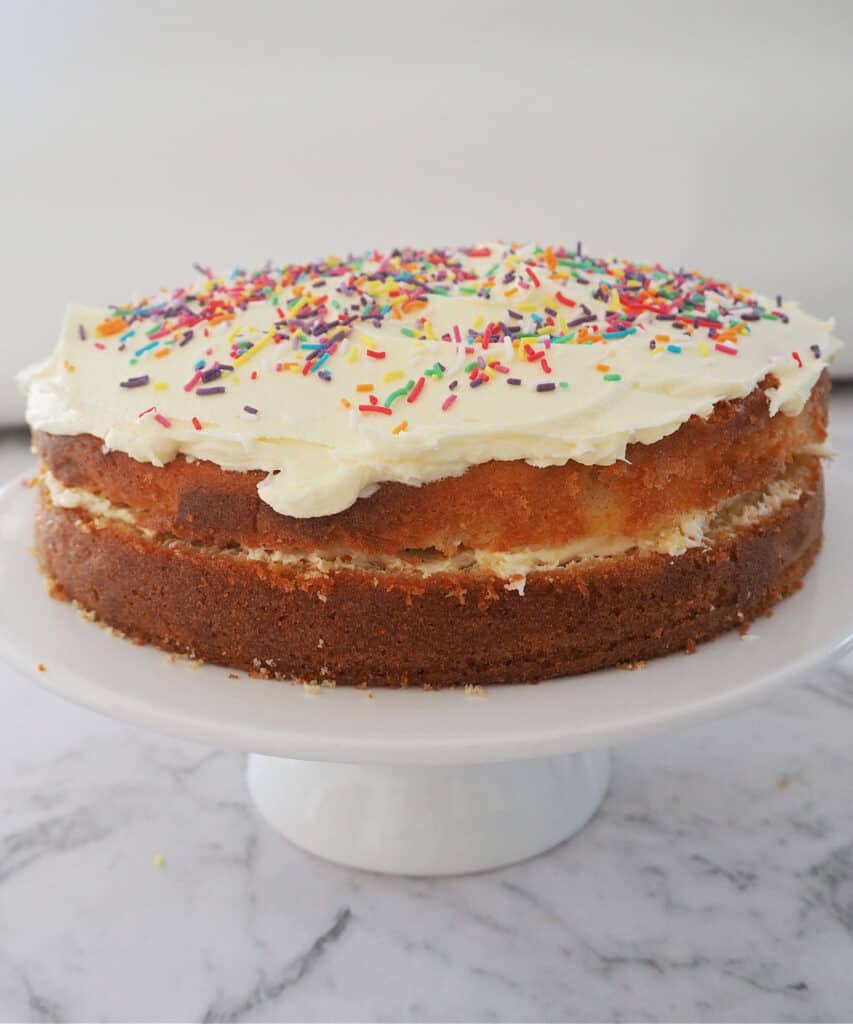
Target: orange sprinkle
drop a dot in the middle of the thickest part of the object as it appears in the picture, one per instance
(364, 387)
(661, 337)
(163, 353)
(69, 367)
(404, 425)
(113, 326)
(603, 367)
(346, 403)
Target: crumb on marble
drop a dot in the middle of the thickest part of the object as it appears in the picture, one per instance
(42, 667)
(474, 690)
(159, 860)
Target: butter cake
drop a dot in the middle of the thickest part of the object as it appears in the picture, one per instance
(492, 464)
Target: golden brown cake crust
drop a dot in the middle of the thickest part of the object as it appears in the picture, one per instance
(400, 629)
(494, 506)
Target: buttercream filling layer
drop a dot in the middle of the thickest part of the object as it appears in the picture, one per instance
(688, 531)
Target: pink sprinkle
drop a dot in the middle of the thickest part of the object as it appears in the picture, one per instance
(145, 412)
(499, 367)
(457, 334)
(730, 350)
(196, 422)
(162, 420)
(100, 344)
(191, 383)
(446, 404)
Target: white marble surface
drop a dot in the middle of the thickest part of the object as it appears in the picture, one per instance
(715, 884)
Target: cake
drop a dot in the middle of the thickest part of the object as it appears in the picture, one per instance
(492, 464)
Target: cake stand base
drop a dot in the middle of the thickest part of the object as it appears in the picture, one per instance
(429, 820)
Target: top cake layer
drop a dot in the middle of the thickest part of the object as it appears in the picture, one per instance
(333, 377)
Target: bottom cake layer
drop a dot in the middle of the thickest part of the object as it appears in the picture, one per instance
(447, 628)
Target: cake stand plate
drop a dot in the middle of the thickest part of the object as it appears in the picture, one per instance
(414, 782)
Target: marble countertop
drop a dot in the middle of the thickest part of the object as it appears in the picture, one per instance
(716, 883)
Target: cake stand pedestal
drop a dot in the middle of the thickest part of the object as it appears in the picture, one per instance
(429, 819)
(414, 782)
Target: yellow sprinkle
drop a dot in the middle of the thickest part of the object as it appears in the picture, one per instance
(404, 425)
(563, 327)
(527, 307)
(366, 340)
(392, 375)
(255, 349)
(478, 323)
(613, 300)
(428, 326)
(703, 349)
(161, 385)
(234, 334)
(69, 367)
(159, 860)
(294, 309)
(353, 355)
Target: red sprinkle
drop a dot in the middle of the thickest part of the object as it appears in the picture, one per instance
(375, 408)
(416, 390)
(533, 277)
(566, 302)
(730, 350)
(196, 422)
(374, 354)
(545, 365)
(799, 361)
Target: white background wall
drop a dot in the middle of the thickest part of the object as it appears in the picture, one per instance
(136, 138)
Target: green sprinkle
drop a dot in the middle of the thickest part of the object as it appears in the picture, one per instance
(613, 376)
(564, 384)
(408, 332)
(399, 393)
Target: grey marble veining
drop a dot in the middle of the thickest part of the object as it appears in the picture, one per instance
(715, 884)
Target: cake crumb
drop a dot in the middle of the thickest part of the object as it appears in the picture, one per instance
(233, 675)
(632, 666)
(328, 684)
(473, 690)
(783, 782)
(42, 667)
(159, 860)
(690, 646)
(311, 687)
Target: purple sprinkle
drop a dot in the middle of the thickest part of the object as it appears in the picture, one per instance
(81, 331)
(582, 320)
(579, 250)
(652, 343)
(779, 301)
(750, 316)
(453, 385)
(441, 367)
(135, 382)
(210, 391)
(188, 336)
(476, 383)
(816, 350)
(550, 312)
(250, 409)
(513, 380)
(211, 374)
(324, 375)
(549, 386)
(514, 315)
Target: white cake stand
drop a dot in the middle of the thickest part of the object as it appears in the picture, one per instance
(413, 782)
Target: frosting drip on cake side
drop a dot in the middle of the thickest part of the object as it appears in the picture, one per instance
(338, 376)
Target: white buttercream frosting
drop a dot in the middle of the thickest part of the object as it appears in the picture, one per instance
(464, 323)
